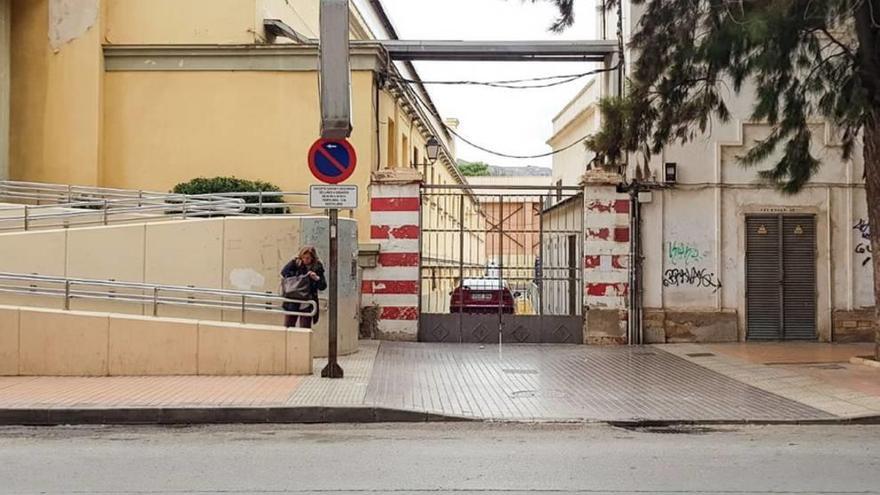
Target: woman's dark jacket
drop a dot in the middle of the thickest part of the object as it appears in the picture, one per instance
(296, 267)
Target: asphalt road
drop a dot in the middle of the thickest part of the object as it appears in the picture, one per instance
(440, 458)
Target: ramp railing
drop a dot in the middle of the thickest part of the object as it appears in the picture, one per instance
(39, 206)
(151, 296)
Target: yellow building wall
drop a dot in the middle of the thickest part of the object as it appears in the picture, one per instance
(163, 128)
(168, 22)
(301, 15)
(56, 102)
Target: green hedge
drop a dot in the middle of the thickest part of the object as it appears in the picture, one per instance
(216, 185)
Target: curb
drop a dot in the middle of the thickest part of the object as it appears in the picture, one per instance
(217, 415)
(864, 361)
(855, 421)
(328, 415)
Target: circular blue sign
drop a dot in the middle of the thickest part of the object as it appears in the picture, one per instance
(332, 160)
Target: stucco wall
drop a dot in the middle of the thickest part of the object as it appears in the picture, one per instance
(177, 22)
(5, 56)
(168, 127)
(56, 88)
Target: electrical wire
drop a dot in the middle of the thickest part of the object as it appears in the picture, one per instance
(507, 84)
(490, 151)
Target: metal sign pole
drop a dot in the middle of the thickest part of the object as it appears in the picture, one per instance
(333, 370)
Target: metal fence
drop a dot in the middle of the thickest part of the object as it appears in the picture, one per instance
(527, 241)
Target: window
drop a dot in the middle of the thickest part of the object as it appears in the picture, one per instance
(559, 190)
(392, 148)
(404, 155)
(415, 156)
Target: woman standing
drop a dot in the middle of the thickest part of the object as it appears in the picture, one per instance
(308, 264)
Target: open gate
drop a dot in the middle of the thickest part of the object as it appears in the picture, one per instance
(501, 263)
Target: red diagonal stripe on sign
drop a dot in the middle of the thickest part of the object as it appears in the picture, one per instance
(332, 160)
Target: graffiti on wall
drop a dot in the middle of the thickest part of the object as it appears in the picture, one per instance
(864, 245)
(683, 253)
(693, 277)
(683, 256)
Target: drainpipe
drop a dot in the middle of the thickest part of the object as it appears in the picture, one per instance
(634, 299)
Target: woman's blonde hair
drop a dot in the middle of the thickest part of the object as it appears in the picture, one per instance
(310, 250)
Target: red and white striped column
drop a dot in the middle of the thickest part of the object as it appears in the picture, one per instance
(606, 258)
(393, 285)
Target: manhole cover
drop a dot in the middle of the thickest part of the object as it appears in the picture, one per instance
(520, 372)
(700, 354)
(539, 394)
(672, 429)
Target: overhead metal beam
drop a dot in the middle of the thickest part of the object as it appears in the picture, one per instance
(549, 51)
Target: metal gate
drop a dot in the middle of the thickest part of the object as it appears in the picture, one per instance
(501, 264)
(781, 277)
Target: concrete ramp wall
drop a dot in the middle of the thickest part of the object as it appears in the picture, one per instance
(228, 253)
(48, 342)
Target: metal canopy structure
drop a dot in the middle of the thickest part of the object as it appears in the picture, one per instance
(532, 51)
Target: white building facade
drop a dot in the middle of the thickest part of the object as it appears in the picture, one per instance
(724, 256)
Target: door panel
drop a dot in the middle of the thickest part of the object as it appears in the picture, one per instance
(763, 277)
(799, 281)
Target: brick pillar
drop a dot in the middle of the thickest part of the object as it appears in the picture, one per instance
(392, 286)
(606, 258)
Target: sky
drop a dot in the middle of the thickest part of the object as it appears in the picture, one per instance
(517, 122)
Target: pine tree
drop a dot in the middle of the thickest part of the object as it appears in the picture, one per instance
(808, 59)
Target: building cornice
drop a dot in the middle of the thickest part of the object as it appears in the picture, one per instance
(277, 58)
(580, 118)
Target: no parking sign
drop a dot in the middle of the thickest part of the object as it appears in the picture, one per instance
(332, 160)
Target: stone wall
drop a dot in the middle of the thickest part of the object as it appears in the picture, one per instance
(856, 325)
(671, 326)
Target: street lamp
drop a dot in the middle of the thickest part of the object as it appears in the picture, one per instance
(432, 147)
(432, 150)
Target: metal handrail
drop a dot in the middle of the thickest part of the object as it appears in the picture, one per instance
(151, 294)
(101, 206)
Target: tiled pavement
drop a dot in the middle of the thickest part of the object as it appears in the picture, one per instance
(521, 382)
(350, 391)
(145, 392)
(817, 375)
(527, 382)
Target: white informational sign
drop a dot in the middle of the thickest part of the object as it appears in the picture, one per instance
(333, 197)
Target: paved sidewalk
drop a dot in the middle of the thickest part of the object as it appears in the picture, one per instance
(418, 382)
(817, 375)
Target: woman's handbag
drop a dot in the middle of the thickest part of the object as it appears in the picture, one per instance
(296, 287)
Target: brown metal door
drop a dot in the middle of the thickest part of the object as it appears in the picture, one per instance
(799, 277)
(781, 277)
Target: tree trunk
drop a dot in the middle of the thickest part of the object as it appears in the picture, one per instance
(868, 57)
(872, 190)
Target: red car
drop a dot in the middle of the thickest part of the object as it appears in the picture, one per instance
(482, 296)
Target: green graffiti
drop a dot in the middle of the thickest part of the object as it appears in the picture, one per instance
(682, 253)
